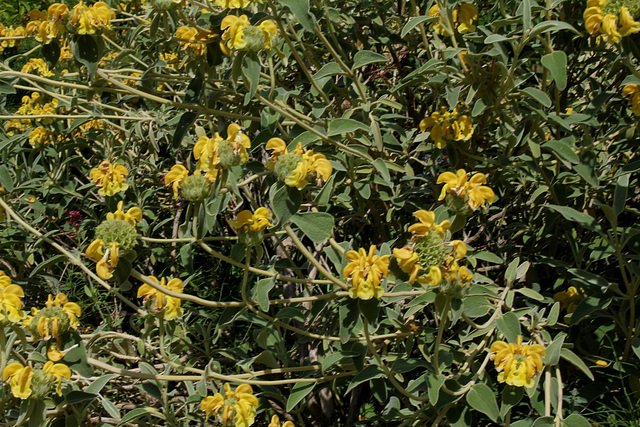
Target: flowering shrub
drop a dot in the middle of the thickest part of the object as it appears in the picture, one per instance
(292, 213)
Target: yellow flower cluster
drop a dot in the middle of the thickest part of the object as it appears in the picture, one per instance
(215, 153)
(33, 105)
(472, 191)
(25, 381)
(37, 66)
(430, 258)
(569, 299)
(296, 169)
(92, 19)
(110, 178)
(517, 363)
(633, 92)
(10, 300)
(233, 4)
(10, 32)
(159, 302)
(193, 39)
(239, 34)
(42, 135)
(275, 422)
(600, 17)
(365, 272)
(259, 220)
(116, 233)
(239, 405)
(50, 24)
(464, 17)
(446, 127)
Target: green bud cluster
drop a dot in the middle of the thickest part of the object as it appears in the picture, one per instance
(228, 158)
(286, 164)
(251, 238)
(254, 38)
(613, 7)
(41, 383)
(117, 230)
(162, 5)
(458, 205)
(454, 288)
(50, 313)
(431, 250)
(195, 188)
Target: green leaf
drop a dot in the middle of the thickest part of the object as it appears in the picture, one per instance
(556, 63)
(525, 9)
(509, 325)
(554, 313)
(251, 71)
(497, 38)
(330, 69)
(573, 358)
(553, 350)
(538, 95)
(285, 201)
(366, 57)
(530, 293)
(76, 396)
(5, 179)
(186, 120)
(573, 215)
(318, 226)
(510, 273)
(481, 398)
(195, 90)
(417, 20)
(576, 420)
(368, 373)
(6, 87)
(564, 151)
(488, 257)
(110, 407)
(88, 50)
(635, 345)
(137, 414)
(51, 261)
(298, 392)
(546, 26)
(434, 384)
(263, 288)
(620, 194)
(341, 126)
(511, 396)
(51, 52)
(544, 422)
(97, 386)
(300, 9)
(476, 306)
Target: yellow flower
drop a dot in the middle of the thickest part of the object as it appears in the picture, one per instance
(41, 136)
(110, 177)
(633, 92)
(365, 272)
(89, 20)
(233, 4)
(427, 223)
(233, 35)
(270, 30)
(132, 215)
(107, 259)
(193, 39)
(447, 126)
(570, 299)
(298, 167)
(472, 190)
(600, 17)
(161, 302)
(37, 66)
(19, 377)
(48, 25)
(10, 32)
(58, 371)
(464, 17)
(254, 221)
(71, 309)
(275, 422)
(174, 177)
(517, 363)
(239, 405)
(10, 300)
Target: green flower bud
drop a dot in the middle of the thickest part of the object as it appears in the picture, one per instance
(117, 230)
(228, 157)
(454, 288)
(254, 38)
(163, 4)
(286, 164)
(431, 250)
(458, 205)
(250, 238)
(195, 188)
(41, 383)
(613, 7)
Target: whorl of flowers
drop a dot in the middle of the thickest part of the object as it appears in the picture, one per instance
(217, 153)
(458, 188)
(10, 32)
(50, 24)
(194, 187)
(430, 257)
(110, 178)
(518, 364)
(238, 405)
(299, 167)
(465, 16)
(365, 272)
(41, 135)
(10, 300)
(37, 66)
(32, 105)
(193, 39)
(158, 301)
(633, 92)
(92, 19)
(26, 381)
(56, 318)
(239, 34)
(447, 126)
(614, 19)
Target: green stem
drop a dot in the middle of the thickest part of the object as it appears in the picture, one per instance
(444, 319)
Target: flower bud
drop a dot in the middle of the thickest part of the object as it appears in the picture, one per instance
(431, 250)
(195, 188)
(117, 230)
(227, 156)
(286, 165)
(41, 383)
(458, 205)
(162, 5)
(254, 37)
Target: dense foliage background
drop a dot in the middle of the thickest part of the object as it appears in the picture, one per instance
(371, 213)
